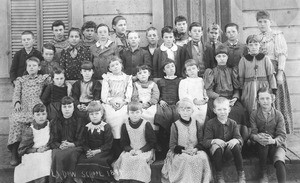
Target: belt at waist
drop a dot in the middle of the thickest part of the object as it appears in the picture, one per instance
(258, 79)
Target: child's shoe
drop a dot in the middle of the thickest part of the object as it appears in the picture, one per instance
(220, 177)
(242, 177)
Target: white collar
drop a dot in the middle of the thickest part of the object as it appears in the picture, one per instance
(164, 48)
(91, 127)
(170, 77)
(106, 44)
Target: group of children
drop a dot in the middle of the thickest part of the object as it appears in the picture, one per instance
(205, 102)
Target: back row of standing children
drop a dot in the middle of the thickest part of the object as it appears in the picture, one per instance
(191, 60)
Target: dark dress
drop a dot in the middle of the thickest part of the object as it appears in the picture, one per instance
(64, 161)
(51, 97)
(96, 136)
(222, 81)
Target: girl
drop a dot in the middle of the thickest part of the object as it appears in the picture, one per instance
(100, 51)
(167, 50)
(97, 142)
(192, 87)
(119, 25)
(147, 93)
(34, 149)
(116, 93)
(274, 45)
(255, 71)
(223, 81)
(72, 56)
(166, 110)
(28, 89)
(186, 161)
(48, 64)
(54, 92)
(137, 140)
(65, 142)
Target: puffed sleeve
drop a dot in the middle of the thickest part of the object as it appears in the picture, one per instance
(17, 90)
(26, 141)
(270, 73)
(125, 140)
(108, 138)
(209, 83)
(280, 47)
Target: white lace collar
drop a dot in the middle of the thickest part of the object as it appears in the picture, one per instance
(91, 127)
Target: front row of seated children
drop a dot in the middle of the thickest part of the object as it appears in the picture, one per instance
(78, 150)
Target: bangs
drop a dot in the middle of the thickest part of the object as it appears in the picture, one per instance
(39, 108)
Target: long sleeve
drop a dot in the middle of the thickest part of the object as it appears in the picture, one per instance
(108, 139)
(17, 91)
(235, 82)
(46, 96)
(154, 95)
(236, 133)
(63, 58)
(26, 141)
(200, 136)
(173, 137)
(270, 73)
(150, 138)
(208, 134)
(280, 50)
(129, 89)
(135, 93)
(147, 58)
(96, 90)
(105, 90)
(280, 132)
(125, 140)
(78, 141)
(242, 72)
(75, 92)
(209, 83)
(155, 62)
(254, 129)
(55, 139)
(14, 66)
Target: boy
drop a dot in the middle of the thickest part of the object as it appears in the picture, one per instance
(88, 31)
(167, 50)
(236, 49)
(221, 135)
(268, 130)
(135, 55)
(18, 66)
(214, 32)
(59, 40)
(86, 89)
(194, 49)
(152, 38)
(48, 64)
(180, 32)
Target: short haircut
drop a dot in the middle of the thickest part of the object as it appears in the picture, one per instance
(28, 32)
(58, 23)
(149, 29)
(262, 14)
(39, 108)
(75, 29)
(214, 26)
(102, 25)
(180, 18)
(34, 59)
(95, 106)
(231, 25)
(195, 24)
(88, 24)
(57, 70)
(167, 29)
(116, 19)
(220, 100)
(134, 106)
(87, 65)
(67, 100)
(49, 46)
(143, 67)
(252, 39)
(263, 90)
(131, 32)
(184, 103)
